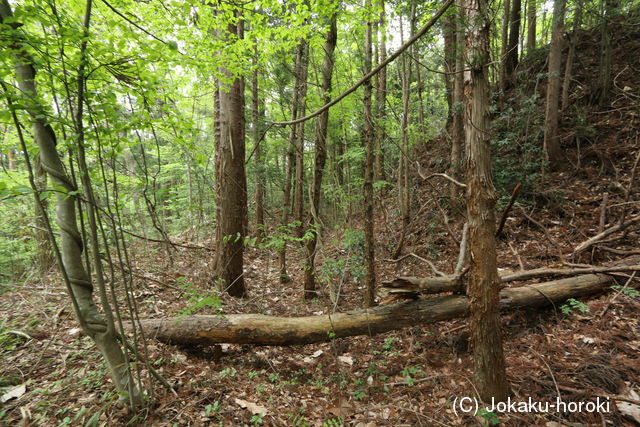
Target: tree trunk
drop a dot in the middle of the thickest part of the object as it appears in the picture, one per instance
(485, 326)
(606, 53)
(504, 44)
(531, 25)
(449, 60)
(367, 142)
(320, 159)
(577, 22)
(381, 98)
(403, 181)
(44, 253)
(94, 324)
(257, 329)
(551, 140)
(457, 134)
(233, 182)
(257, 114)
(301, 87)
(512, 46)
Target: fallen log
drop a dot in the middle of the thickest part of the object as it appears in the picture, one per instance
(270, 330)
(598, 237)
(436, 285)
(427, 285)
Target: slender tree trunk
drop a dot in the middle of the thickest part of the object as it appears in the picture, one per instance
(449, 59)
(486, 334)
(606, 58)
(257, 113)
(44, 252)
(457, 134)
(233, 181)
(568, 69)
(403, 181)
(512, 46)
(320, 159)
(11, 154)
(532, 8)
(301, 80)
(504, 44)
(367, 141)
(381, 98)
(100, 328)
(551, 139)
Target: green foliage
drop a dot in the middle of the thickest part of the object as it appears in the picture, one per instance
(197, 299)
(490, 417)
(257, 419)
(333, 422)
(573, 304)
(630, 292)
(517, 152)
(351, 265)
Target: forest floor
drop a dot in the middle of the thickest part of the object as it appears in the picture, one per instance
(407, 377)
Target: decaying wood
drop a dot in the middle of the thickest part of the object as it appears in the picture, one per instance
(434, 285)
(601, 236)
(426, 285)
(270, 330)
(566, 272)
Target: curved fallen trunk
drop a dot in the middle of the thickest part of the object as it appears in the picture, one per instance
(258, 329)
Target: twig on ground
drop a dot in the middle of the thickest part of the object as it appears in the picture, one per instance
(505, 213)
(600, 236)
(606, 307)
(603, 212)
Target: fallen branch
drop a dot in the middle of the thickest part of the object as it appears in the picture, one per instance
(270, 330)
(545, 272)
(601, 236)
(505, 213)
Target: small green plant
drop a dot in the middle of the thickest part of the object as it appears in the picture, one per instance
(630, 292)
(359, 394)
(298, 419)
(573, 304)
(389, 344)
(252, 374)
(274, 377)
(333, 422)
(227, 372)
(490, 417)
(197, 299)
(257, 419)
(211, 410)
(410, 372)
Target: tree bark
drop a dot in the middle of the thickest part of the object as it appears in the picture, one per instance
(504, 44)
(486, 330)
(233, 182)
(381, 98)
(367, 142)
(606, 53)
(320, 159)
(301, 87)
(258, 329)
(551, 139)
(532, 7)
(257, 114)
(512, 46)
(457, 134)
(568, 69)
